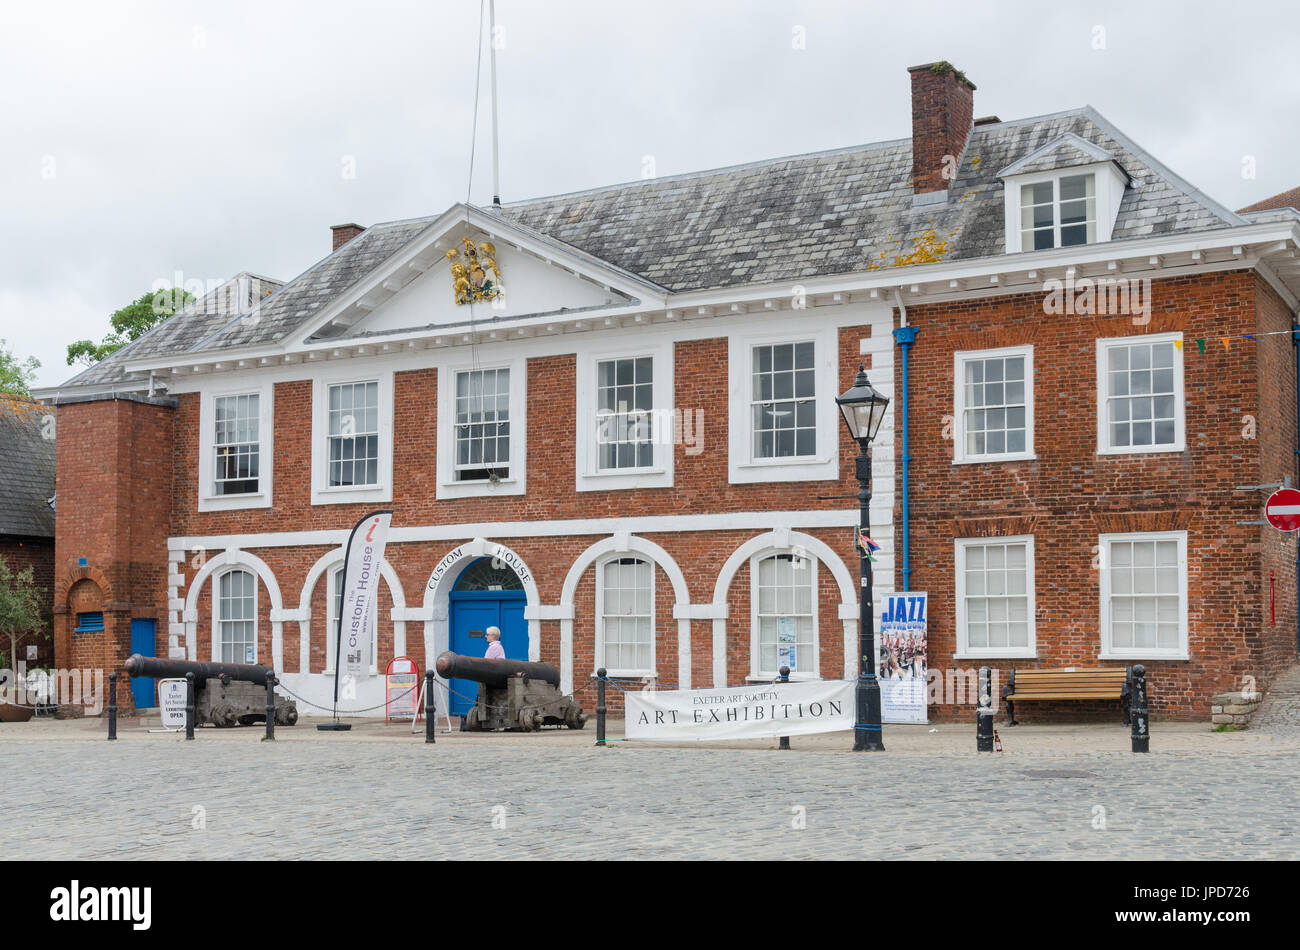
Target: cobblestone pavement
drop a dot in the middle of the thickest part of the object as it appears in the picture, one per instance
(1279, 712)
(82, 799)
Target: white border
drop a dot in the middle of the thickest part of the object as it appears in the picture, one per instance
(964, 650)
(959, 456)
(1107, 651)
(320, 493)
(588, 476)
(516, 484)
(755, 673)
(1180, 396)
(742, 467)
(599, 647)
(208, 500)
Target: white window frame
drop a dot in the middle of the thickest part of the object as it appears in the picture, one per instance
(589, 475)
(1180, 397)
(208, 499)
(333, 577)
(516, 483)
(321, 491)
(960, 358)
(964, 649)
(1108, 651)
(652, 672)
(1108, 187)
(216, 610)
(760, 675)
(824, 466)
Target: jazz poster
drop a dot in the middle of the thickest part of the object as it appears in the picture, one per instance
(901, 657)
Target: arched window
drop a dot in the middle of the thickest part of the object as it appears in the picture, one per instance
(783, 605)
(625, 642)
(488, 574)
(334, 598)
(236, 617)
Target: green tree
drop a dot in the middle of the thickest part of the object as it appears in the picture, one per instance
(22, 610)
(130, 323)
(17, 376)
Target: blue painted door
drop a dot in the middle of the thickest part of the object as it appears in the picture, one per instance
(472, 612)
(143, 690)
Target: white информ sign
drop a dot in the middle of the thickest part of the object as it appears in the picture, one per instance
(740, 712)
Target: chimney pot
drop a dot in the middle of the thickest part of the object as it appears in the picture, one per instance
(343, 233)
(943, 107)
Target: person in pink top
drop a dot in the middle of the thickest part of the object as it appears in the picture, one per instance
(495, 651)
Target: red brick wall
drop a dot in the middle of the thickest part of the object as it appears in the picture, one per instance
(38, 554)
(942, 112)
(114, 484)
(1070, 494)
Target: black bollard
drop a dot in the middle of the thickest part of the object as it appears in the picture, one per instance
(600, 706)
(430, 707)
(1138, 711)
(189, 705)
(984, 714)
(112, 706)
(270, 708)
(785, 678)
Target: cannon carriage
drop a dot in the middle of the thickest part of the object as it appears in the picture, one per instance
(512, 694)
(225, 694)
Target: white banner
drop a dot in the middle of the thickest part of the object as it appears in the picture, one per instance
(740, 712)
(362, 556)
(901, 665)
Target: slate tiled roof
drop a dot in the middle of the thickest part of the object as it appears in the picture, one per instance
(26, 470)
(836, 212)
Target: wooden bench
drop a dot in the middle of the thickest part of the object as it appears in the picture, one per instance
(1067, 683)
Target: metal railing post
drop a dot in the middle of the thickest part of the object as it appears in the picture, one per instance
(1138, 711)
(430, 707)
(112, 706)
(189, 705)
(600, 706)
(984, 714)
(270, 708)
(785, 678)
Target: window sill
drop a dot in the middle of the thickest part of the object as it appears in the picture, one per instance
(795, 677)
(1155, 450)
(994, 459)
(789, 460)
(481, 488)
(628, 675)
(1001, 655)
(1139, 657)
(344, 495)
(234, 502)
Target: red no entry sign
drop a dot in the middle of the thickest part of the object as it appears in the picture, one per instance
(1283, 509)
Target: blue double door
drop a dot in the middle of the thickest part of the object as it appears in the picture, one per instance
(472, 612)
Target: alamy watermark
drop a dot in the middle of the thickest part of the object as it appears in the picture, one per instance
(1100, 296)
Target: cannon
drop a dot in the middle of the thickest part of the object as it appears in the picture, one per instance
(225, 694)
(512, 694)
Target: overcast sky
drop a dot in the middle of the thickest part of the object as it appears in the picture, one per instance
(142, 140)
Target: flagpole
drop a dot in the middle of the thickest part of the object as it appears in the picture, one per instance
(492, 52)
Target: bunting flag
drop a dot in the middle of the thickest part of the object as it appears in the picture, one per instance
(1179, 345)
(1227, 344)
(1200, 345)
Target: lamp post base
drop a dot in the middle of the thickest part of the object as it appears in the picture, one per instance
(867, 734)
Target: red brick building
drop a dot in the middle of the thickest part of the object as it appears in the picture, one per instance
(27, 510)
(605, 422)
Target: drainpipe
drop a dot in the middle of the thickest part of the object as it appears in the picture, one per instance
(1295, 342)
(905, 336)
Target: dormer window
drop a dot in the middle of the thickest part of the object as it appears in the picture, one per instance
(1060, 212)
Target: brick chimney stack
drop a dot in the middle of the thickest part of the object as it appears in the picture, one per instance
(344, 233)
(943, 107)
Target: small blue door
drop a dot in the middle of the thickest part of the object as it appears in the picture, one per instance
(143, 690)
(485, 595)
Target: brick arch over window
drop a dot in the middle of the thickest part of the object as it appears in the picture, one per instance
(64, 587)
(629, 544)
(329, 561)
(213, 565)
(782, 541)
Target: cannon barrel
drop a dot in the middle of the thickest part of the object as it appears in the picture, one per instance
(137, 665)
(493, 672)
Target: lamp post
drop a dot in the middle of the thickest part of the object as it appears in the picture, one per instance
(864, 409)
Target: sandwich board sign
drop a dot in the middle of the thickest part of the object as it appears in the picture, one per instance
(171, 702)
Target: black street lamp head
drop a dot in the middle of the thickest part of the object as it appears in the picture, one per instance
(864, 408)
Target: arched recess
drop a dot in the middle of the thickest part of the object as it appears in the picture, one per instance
(233, 557)
(328, 561)
(625, 544)
(783, 541)
(443, 578)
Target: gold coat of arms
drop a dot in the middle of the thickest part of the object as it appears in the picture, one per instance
(474, 273)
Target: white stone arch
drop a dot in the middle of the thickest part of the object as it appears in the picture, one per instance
(234, 557)
(783, 540)
(327, 562)
(626, 544)
(436, 612)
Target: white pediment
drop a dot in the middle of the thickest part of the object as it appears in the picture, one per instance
(528, 286)
(415, 290)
